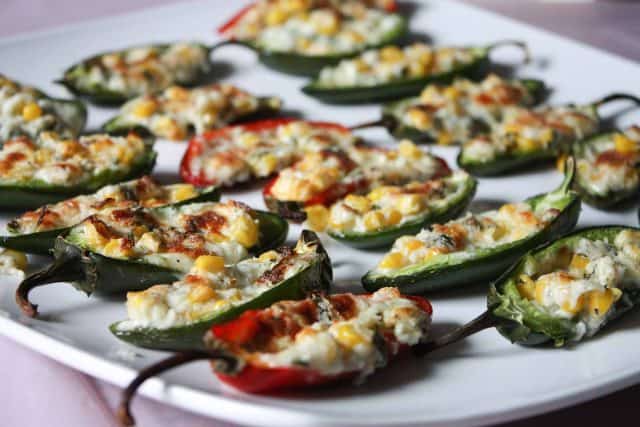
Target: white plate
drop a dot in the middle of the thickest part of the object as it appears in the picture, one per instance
(483, 380)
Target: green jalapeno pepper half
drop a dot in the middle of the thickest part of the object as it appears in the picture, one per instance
(600, 150)
(80, 80)
(42, 242)
(514, 161)
(33, 193)
(462, 191)
(392, 116)
(91, 272)
(315, 277)
(66, 116)
(485, 264)
(405, 87)
(526, 323)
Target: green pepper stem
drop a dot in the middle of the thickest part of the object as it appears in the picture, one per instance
(178, 359)
(569, 174)
(616, 97)
(61, 270)
(386, 121)
(517, 43)
(484, 321)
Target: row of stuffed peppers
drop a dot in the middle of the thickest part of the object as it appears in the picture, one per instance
(320, 340)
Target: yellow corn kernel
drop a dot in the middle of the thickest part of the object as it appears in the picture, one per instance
(527, 287)
(295, 5)
(114, 249)
(268, 256)
(391, 54)
(269, 163)
(392, 260)
(209, 263)
(275, 16)
(168, 128)
(220, 304)
(249, 139)
(431, 252)
(393, 217)
(546, 136)
(358, 203)
(379, 192)
(177, 93)
(326, 24)
(560, 162)
(599, 303)
(144, 108)
(373, 220)
(507, 209)
(579, 262)
(180, 192)
(413, 245)
(445, 138)
(580, 302)
(31, 111)
(409, 150)
(409, 204)
(148, 241)
(245, 231)
(348, 336)
(361, 65)
(419, 118)
(317, 217)
(452, 93)
(92, 237)
(201, 293)
(539, 292)
(528, 144)
(125, 154)
(624, 144)
(512, 128)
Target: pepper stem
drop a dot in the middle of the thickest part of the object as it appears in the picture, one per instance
(484, 321)
(178, 359)
(569, 174)
(616, 97)
(386, 121)
(61, 270)
(517, 43)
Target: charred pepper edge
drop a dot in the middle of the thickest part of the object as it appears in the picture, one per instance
(316, 277)
(409, 87)
(492, 264)
(100, 95)
(525, 324)
(42, 242)
(508, 163)
(386, 237)
(91, 272)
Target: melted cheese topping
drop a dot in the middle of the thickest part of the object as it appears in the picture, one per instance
(314, 28)
(144, 192)
(171, 237)
(525, 131)
(454, 113)
(142, 69)
(211, 288)
(12, 263)
(463, 237)
(350, 333)
(239, 154)
(391, 63)
(24, 111)
(387, 206)
(359, 168)
(586, 288)
(178, 112)
(610, 165)
(56, 161)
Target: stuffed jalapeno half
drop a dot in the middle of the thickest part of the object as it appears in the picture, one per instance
(526, 137)
(134, 248)
(35, 231)
(567, 291)
(306, 344)
(300, 37)
(177, 113)
(390, 211)
(394, 72)
(477, 246)
(26, 111)
(52, 168)
(608, 167)
(116, 76)
(451, 114)
(176, 316)
(257, 150)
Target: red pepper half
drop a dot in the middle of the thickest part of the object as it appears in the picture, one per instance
(234, 347)
(199, 143)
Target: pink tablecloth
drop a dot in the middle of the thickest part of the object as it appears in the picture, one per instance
(36, 391)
